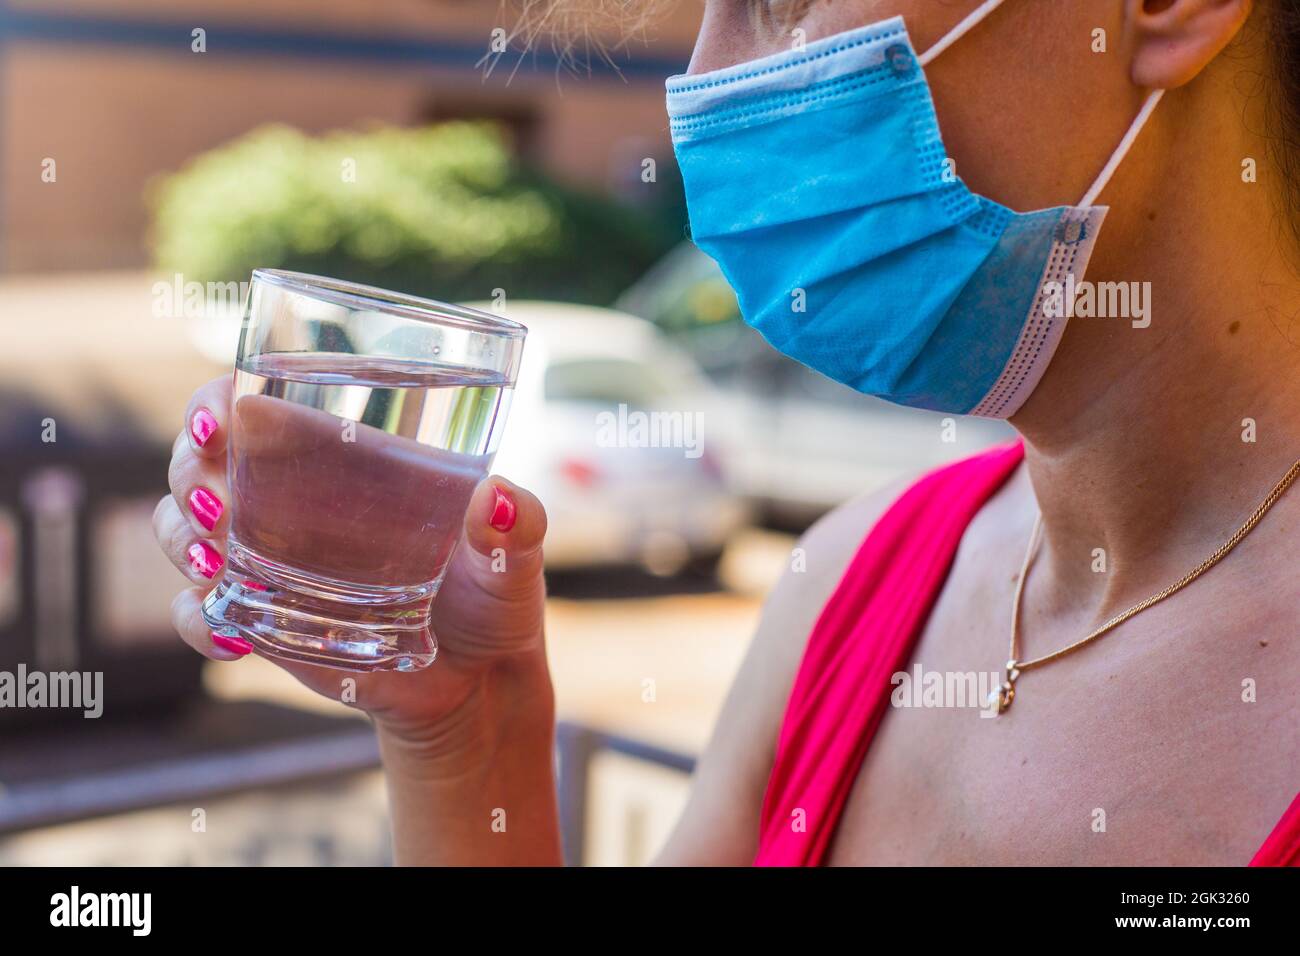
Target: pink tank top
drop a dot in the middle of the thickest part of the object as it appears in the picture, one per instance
(864, 635)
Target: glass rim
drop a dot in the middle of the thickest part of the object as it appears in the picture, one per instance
(372, 298)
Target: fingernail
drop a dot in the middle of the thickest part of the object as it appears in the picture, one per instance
(206, 506)
(503, 512)
(236, 645)
(202, 425)
(205, 559)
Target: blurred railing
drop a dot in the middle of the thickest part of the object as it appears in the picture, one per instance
(576, 745)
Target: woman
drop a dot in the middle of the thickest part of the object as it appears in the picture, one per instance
(1149, 439)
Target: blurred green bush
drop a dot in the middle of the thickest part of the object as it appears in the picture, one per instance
(444, 211)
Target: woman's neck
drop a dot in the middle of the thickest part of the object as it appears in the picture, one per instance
(1157, 474)
(1154, 444)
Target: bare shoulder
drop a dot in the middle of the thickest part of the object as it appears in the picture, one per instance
(817, 563)
(720, 823)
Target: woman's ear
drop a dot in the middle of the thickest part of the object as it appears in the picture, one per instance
(1173, 40)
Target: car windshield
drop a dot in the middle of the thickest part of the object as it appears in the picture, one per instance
(608, 381)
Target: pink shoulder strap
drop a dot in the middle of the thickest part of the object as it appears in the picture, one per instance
(1282, 848)
(864, 635)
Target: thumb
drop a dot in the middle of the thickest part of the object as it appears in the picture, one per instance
(494, 595)
(504, 517)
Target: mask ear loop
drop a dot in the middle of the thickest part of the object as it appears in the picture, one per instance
(971, 21)
(1123, 148)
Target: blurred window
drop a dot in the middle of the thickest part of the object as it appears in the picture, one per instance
(608, 381)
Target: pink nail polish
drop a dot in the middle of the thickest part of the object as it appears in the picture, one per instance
(236, 645)
(206, 506)
(503, 512)
(202, 425)
(205, 559)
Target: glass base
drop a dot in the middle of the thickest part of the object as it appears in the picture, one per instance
(299, 626)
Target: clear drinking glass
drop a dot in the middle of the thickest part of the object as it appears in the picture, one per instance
(362, 421)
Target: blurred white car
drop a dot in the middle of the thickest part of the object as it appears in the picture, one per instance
(620, 435)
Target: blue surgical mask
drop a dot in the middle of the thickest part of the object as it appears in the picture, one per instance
(818, 180)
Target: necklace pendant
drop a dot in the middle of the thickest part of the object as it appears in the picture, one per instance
(1002, 695)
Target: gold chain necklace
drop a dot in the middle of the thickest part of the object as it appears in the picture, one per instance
(1006, 692)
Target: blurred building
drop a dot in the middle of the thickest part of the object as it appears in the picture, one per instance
(100, 96)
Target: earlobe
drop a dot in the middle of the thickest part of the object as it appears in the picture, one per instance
(1174, 40)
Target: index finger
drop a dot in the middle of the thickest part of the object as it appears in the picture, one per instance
(207, 419)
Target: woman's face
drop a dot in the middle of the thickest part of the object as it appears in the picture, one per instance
(1029, 112)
